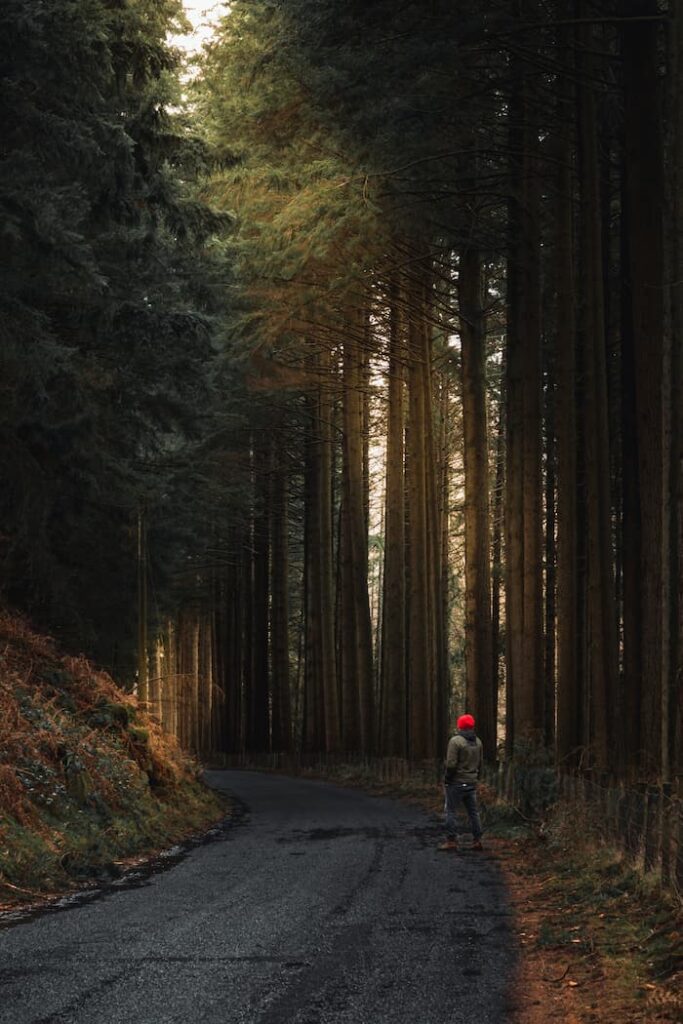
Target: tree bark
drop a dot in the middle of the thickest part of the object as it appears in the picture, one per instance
(497, 542)
(314, 693)
(156, 678)
(420, 663)
(170, 684)
(645, 195)
(245, 631)
(569, 679)
(143, 654)
(358, 674)
(326, 553)
(194, 688)
(631, 535)
(550, 614)
(514, 543)
(480, 697)
(206, 684)
(676, 480)
(437, 653)
(601, 611)
(529, 700)
(281, 723)
(219, 653)
(259, 738)
(237, 627)
(393, 663)
(524, 529)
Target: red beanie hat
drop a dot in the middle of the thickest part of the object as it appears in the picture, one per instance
(466, 722)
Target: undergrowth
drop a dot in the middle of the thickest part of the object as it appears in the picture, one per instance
(86, 778)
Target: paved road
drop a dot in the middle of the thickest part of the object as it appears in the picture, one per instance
(320, 905)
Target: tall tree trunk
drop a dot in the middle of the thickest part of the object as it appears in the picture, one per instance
(514, 541)
(480, 697)
(393, 663)
(357, 634)
(143, 642)
(326, 554)
(676, 482)
(529, 700)
(524, 533)
(437, 653)
(156, 677)
(180, 662)
(184, 675)
(348, 652)
(550, 616)
(631, 536)
(364, 385)
(645, 194)
(601, 611)
(219, 657)
(314, 693)
(497, 542)
(244, 669)
(420, 664)
(279, 624)
(443, 598)
(259, 738)
(569, 677)
(206, 683)
(170, 685)
(237, 612)
(194, 689)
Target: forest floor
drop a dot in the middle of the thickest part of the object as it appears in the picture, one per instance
(88, 783)
(599, 942)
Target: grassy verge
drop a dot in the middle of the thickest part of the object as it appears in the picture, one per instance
(87, 780)
(601, 943)
(72, 847)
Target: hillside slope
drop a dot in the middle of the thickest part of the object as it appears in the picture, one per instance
(86, 779)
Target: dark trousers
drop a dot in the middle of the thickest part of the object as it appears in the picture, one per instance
(462, 793)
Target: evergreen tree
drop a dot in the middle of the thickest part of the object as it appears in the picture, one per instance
(105, 300)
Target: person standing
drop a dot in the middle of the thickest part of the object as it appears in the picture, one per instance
(464, 758)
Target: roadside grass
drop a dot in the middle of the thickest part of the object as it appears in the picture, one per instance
(81, 846)
(619, 932)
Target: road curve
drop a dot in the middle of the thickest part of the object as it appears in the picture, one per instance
(321, 905)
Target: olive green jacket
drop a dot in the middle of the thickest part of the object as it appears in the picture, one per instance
(464, 757)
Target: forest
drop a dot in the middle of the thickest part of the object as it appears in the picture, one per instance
(342, 369)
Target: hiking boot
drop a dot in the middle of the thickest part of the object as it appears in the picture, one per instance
(476, 845)
(448, 844)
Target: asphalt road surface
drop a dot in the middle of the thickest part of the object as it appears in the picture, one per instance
(319, 904)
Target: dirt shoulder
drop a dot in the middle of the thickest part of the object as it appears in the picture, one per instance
(598, 943)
